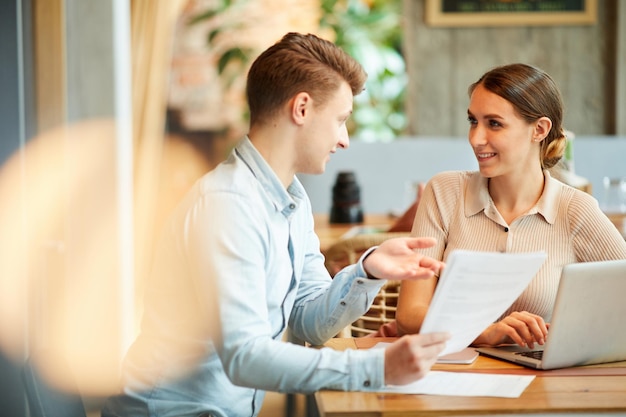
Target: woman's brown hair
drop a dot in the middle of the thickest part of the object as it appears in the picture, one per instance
(533, 94)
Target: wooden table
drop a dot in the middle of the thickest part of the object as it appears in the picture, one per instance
(329, 233)
(586, 389)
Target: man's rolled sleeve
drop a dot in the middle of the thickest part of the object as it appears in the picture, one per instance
(365, 369)
(368, 371)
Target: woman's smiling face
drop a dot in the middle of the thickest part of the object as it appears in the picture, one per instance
(500, 138)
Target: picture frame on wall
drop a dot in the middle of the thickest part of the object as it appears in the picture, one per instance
(476, 13)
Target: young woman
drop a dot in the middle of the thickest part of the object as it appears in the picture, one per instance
(512, 204)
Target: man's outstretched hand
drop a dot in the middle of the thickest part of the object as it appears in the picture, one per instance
(399, 259)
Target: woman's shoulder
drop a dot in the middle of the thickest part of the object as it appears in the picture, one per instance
(573, 195)
(448, 178)
(577, 206)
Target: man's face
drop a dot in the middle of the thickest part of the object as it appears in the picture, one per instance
(325, 130)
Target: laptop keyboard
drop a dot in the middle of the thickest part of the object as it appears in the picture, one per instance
(535, 354)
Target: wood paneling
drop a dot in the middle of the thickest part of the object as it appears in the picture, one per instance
(49, 28)
(620, 73)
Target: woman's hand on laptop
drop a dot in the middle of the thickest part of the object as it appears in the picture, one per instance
(520, 327)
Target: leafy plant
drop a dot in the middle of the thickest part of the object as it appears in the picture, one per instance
(238, 55)
(370, 31)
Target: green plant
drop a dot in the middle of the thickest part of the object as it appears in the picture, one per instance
(370, 31)
(224, 25)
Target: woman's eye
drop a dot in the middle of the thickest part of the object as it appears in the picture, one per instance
(471, 120)
(494, 123)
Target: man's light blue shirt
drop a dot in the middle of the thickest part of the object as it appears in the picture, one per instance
(238, 263)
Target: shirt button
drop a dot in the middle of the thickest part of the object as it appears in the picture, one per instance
(366, 383)
(506, 229)
(292, 206)
(359, 281)
(343, 303)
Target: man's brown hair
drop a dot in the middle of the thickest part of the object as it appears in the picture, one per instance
(299, 63)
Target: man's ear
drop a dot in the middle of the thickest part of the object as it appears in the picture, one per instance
(542, 128)
(300, 107)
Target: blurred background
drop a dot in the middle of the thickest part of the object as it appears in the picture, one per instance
(111, 109)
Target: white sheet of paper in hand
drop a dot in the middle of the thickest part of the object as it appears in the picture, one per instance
(474, 290)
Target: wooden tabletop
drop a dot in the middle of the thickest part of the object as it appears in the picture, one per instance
(329, 233)
(583, 389)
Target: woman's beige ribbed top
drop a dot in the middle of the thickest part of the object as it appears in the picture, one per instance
(566, 223)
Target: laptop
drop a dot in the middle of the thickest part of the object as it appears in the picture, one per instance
(587, 325)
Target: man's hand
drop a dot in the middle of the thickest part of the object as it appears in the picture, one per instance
(397, 259)
(411, 357)
(519, 327)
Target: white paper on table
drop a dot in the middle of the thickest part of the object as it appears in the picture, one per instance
(465, 356)
(465, 384)
(474, 290)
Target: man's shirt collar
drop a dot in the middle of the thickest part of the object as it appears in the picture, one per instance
(285, 200)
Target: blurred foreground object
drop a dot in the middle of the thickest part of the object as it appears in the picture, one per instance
(60, 281)
(47, 401)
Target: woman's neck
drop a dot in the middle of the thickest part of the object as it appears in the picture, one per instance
(513, 197)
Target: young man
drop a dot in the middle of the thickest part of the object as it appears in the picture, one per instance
(239, 262)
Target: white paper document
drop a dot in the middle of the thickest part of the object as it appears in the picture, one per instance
(466, 384)
(474, 290)
(465, 356)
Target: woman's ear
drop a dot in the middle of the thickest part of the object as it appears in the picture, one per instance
(542, 128)
(300, 107)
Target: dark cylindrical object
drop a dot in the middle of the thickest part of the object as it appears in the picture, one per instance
(346, 206)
